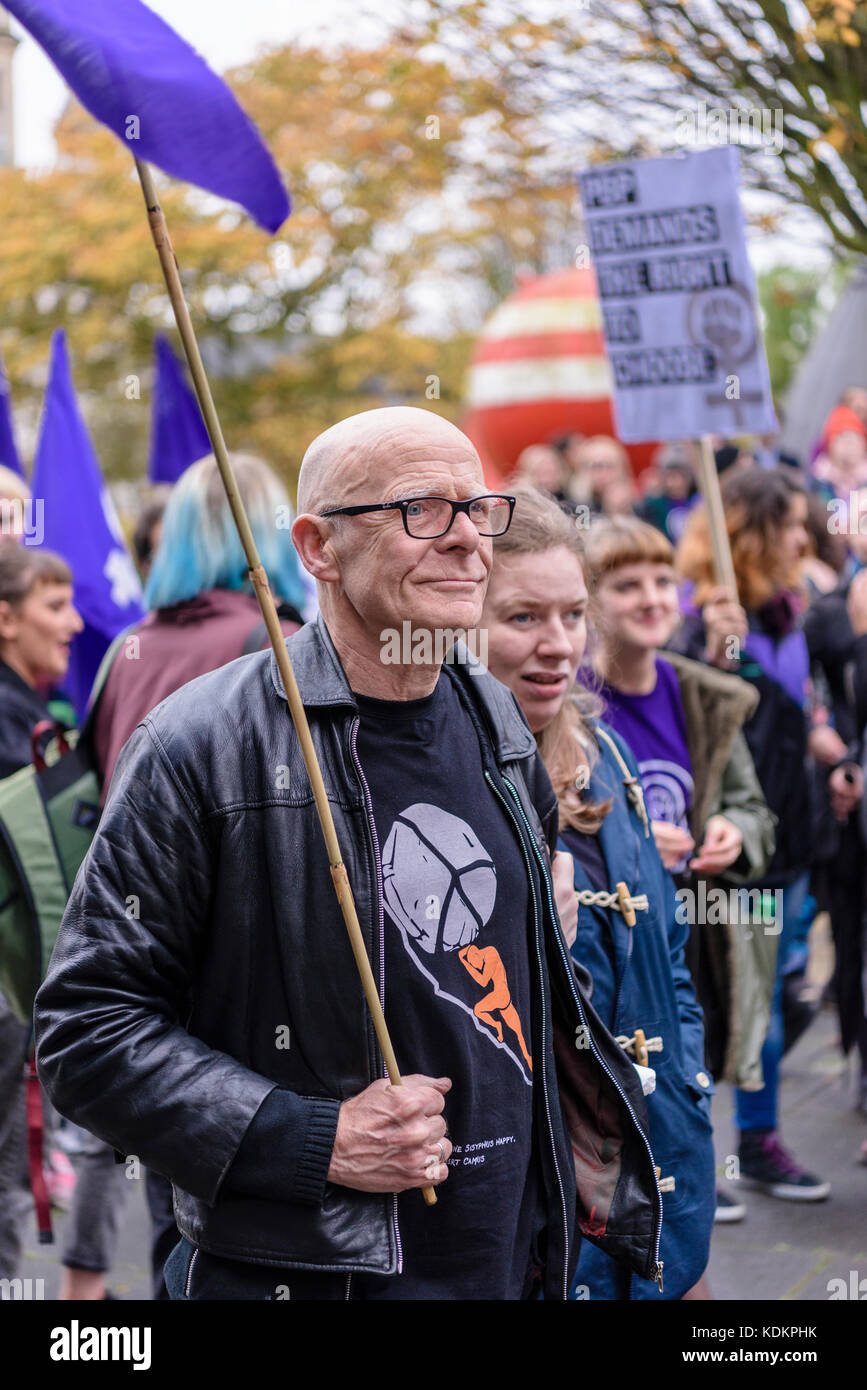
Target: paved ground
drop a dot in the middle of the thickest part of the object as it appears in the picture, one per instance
(790, 1250)
(783, 1250)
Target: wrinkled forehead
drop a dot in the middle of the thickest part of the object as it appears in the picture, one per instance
(551, 576)
(399, 462)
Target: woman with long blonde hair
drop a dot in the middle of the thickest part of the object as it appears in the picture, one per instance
(628, 936)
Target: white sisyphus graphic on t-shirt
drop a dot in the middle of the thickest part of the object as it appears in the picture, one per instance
(432, 855)
(439, 887)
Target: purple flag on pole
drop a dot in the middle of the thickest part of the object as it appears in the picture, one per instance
(8, 452)
(141, 79)
(178, 434)
(79, 522)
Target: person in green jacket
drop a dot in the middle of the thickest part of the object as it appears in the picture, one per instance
(709, 817)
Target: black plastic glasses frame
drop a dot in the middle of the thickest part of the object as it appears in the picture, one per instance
(408, 501)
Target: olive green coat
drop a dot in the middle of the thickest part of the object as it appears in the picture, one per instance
(737, 957)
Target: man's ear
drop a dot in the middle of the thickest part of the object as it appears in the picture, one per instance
(312, 536)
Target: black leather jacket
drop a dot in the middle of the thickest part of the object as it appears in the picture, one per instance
(203, 922)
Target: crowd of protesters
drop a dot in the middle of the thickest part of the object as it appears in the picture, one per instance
(793, 726)
(671, 744)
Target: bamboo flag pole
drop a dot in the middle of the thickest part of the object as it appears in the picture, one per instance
(710, 491)
(259, 578)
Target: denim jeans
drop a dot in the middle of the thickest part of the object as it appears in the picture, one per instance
(758, 1109)
(164, 1232)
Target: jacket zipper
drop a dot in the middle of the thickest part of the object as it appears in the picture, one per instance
(656, 1271)
(368, 805)
(189, 1279)
(509, 812)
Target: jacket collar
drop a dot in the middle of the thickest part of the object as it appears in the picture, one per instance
(322, 684)
(17, 685)
(320, 677)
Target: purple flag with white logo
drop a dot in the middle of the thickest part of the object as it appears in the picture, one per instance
(178, 434)
(79, 522)
(141, 79)
(8, 452)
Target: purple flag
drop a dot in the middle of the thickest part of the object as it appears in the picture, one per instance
(8, 452)
(80, 523)
(178, 434)
(141, 79)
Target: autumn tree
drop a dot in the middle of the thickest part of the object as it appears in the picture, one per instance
(415, 201)
(621, 80)
(791, 308)
(426, 170)
(756, 55)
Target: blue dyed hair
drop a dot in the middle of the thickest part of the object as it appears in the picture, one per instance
(200, 547)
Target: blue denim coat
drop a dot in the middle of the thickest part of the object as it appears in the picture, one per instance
(640, 980)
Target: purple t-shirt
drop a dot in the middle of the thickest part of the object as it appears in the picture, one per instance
(655, 728)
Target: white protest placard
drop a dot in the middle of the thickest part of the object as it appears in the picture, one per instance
(678, 297)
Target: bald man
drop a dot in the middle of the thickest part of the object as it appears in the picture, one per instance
(203, 1011)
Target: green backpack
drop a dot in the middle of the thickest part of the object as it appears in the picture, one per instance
(48, 818)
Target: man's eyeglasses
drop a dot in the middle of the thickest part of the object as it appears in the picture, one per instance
(425, 518)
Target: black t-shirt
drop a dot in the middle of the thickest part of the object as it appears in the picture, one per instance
(21, 709)
(458, 996)
(587, 849)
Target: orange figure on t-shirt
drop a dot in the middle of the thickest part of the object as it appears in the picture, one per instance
(486, 968)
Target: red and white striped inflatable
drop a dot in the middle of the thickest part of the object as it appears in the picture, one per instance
(540, 369)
